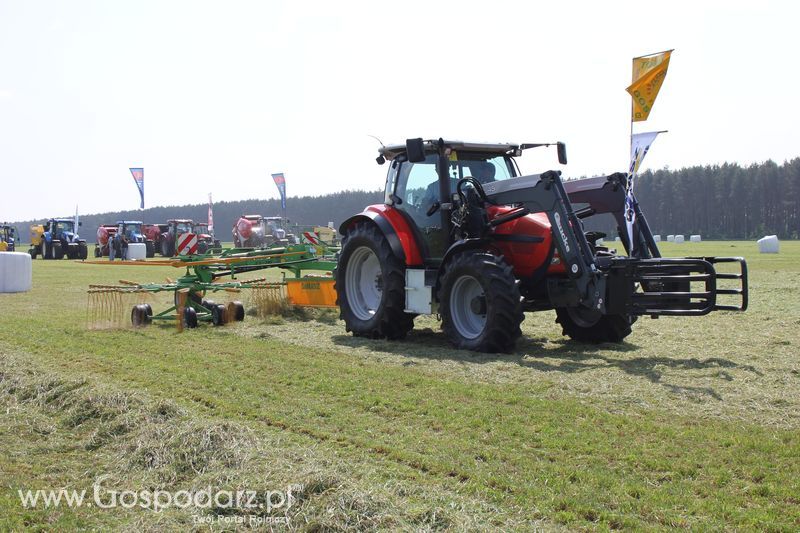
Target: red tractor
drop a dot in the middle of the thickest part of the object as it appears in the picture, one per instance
(463, 235)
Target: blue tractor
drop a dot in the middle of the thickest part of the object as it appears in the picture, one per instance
(56, 239)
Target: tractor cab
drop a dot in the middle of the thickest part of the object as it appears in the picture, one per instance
(180, 226)
(422, 181)
(62, 229)
(132, 229)
(8, 238)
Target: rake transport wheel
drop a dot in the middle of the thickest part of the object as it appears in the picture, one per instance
(370, 286)
(189, 317)
(141, 315)
(586, 325)
(480, 303)
(218, 315)
(235, 311)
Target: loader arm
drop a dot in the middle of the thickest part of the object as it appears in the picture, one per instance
(545, 193)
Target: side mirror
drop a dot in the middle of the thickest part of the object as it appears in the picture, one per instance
(562, 152)
(415, 150)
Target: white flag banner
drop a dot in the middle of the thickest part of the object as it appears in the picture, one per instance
(210, 216)
(640, 145)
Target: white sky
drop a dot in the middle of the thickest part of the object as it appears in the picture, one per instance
(215, 96)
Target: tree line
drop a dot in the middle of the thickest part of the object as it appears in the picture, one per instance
(723, 201)
(718, 202)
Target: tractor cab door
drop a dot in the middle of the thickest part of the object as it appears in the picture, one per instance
(416, 186)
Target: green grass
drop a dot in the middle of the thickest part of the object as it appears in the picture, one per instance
(693, 422)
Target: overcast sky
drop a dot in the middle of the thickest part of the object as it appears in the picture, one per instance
(215, 96)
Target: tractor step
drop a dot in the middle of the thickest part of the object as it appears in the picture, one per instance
(675, 287)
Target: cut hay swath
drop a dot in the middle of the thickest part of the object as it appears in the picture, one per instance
(206, 274)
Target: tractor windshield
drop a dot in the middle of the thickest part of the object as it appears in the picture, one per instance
(183, 227)
(131, 230)
(65, 226)
(417, 184)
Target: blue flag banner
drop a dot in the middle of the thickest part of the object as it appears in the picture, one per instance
(138, 177)
(280, 183)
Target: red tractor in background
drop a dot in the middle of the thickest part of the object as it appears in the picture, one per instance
(463, 235)
(169, 232)
(133, 230)
(256, 231)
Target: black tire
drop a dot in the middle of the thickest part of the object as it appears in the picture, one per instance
(236, 311)
(202, 247)
(208, 304)
(98, 252)
(589, 326)
(150, 249)
(33, 252)
(370, 285)
(71, 251)
(45, 249)
(218, 315)
(189, 317)
(57, 250)
(480, 303)
(140, 316)
(166, 249)
(83, 251)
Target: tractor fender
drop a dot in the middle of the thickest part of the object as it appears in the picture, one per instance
(394, 227)
(456, 248)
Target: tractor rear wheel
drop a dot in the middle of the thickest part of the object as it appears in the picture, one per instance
(45, 249)
(370, 285)
(586, 325)
(480, 303)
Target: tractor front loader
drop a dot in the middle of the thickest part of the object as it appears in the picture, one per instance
(462, 234)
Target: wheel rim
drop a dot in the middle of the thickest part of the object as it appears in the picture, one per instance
(364, 283)
(468, 307)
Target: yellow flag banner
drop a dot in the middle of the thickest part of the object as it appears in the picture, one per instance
(648, 76)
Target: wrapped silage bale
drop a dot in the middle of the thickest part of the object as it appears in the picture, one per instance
(769, 244)
(694, 238)
(670, 238)
(137, 251)
(679, 239)
(16, 272)
(657, 238)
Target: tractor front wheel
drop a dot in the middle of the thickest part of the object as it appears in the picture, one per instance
(586, 325)
(58, 251)
(370, 285)
(480, 303)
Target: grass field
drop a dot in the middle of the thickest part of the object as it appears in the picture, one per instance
(691, 423)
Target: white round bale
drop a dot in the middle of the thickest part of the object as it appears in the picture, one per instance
(769, 244)
(16, 272)
(694, 238)
(679, 238)
(670, 238)
(137, 251)
(657, 238)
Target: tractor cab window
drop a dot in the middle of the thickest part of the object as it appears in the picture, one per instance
(418, 184)
(183, 227)
(63, 227)
(132, 229)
